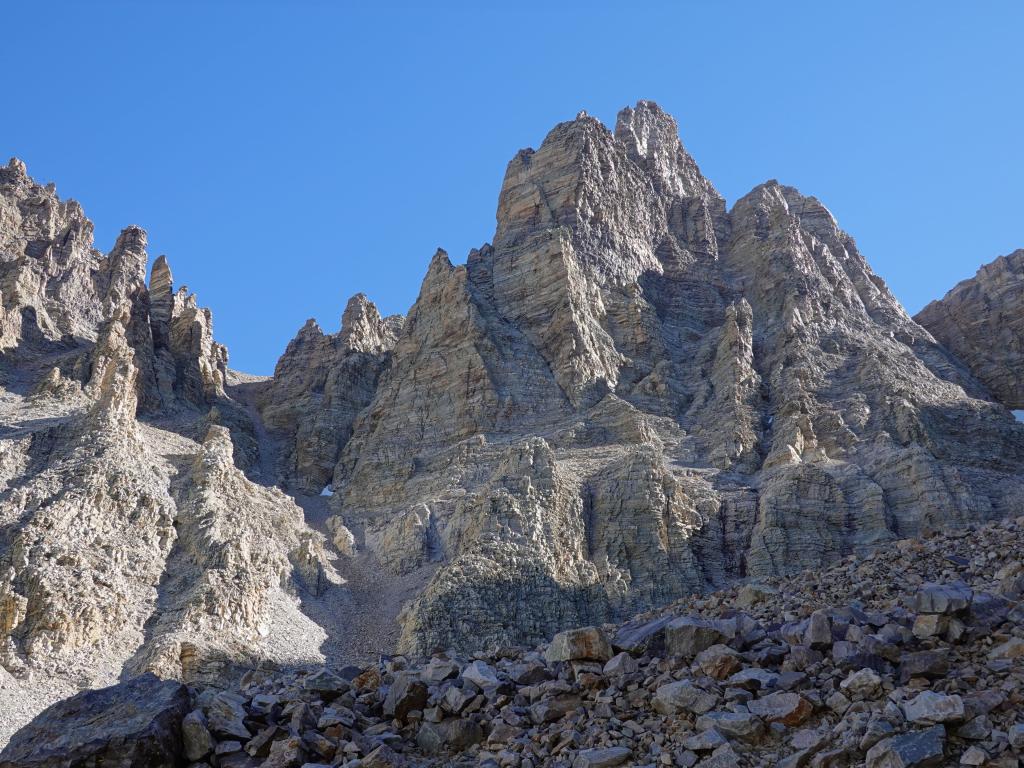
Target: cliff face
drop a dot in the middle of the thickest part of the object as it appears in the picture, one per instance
(320, 385)
(633, 394)
(129, 539)
(981, 321)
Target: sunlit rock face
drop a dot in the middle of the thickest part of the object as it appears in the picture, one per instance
(130, 539)
(981, 321)
(634, 393)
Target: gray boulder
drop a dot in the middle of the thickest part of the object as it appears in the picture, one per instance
(135, 723)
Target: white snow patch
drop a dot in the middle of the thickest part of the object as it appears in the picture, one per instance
(1019, 415)
(327, 491)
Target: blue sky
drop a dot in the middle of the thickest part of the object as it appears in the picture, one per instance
(287, 155)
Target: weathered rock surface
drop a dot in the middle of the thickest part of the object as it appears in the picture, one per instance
(188, 364)
(320, 385)
(634, 394)
(981, 321)
(517, 706)
(127, 542)
(137, 723)
(52, 281)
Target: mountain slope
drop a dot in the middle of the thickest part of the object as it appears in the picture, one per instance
(633, 394)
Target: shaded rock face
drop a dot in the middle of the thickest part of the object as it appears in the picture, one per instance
(238, 546)
(635, 393)
(320, 385)
(137, 723)
(981, 321)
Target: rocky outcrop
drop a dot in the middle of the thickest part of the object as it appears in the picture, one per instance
(320, 385)
(981, 321)
(101, 554)
(86, 529)
(124, 543)
(910, 656)
(189, 366)
(635, 393)
(632, 395)
(52, 280)
(238, 547)
(56, 291)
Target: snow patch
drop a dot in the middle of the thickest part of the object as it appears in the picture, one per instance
(327, 491)
(1019, 415)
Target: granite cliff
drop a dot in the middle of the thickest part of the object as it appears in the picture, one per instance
(635, 393)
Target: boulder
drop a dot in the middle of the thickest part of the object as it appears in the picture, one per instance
(683, 695)
(787, 708)
(585, 644)
(734, 725)
(621, 664)
(135, 723)
(482, 675)
(917, 749)
(607, 757)
(196, 737)
(687, 636)
(406, 693)
(942, 598)
(929, 708)
(863, 684)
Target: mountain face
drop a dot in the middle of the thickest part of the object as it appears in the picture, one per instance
(981, 321)
(129, 538)
(633, 394)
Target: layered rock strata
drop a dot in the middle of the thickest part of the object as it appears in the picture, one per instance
(320, 384)
(635, 393)
(125, 544)
(981, 321)
(909, 656)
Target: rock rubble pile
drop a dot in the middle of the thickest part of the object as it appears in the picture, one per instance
(911, 656)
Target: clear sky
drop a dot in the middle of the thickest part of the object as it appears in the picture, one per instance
(287, 155)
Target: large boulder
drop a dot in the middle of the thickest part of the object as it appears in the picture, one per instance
(585, 644)
(133, 724)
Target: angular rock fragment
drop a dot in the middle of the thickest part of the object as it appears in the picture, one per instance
(134, 723)
(917, 749)
(588, 644)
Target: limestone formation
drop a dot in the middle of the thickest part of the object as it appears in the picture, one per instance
(320, 385)
(52, 280)
(126, 546)
(981, 321)
(238, 545)
(189, 366)
(634, 394)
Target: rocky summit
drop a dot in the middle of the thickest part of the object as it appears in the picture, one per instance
(551, 516)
